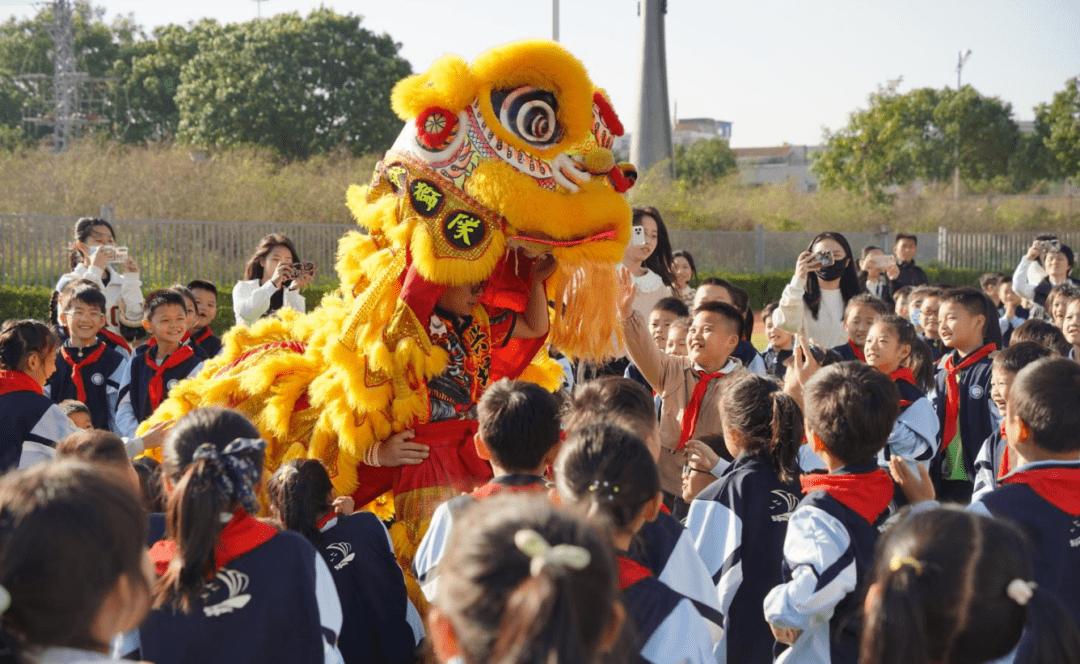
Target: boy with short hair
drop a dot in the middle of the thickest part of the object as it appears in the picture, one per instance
(965, 411)
(192, 320)
(1042, 494)
(781, 344)
(206, 307)
(159, 365)
(989, 283)
(87, 368)
(676, 338)
(861, 313)
(829, 547)
(993, 461)
(77, 412)
(663, 314)
(518, 433)
(689, 387)
(715, 289)
(907, 245)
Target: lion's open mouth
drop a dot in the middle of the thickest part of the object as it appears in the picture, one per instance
(544, 239)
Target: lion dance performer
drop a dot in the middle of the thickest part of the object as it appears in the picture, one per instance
(500, 194)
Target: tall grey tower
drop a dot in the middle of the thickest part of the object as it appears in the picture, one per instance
(651, 142)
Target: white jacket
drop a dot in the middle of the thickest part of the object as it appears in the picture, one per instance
(123, 295)
(251, 301)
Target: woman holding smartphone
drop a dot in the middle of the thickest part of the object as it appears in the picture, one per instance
(825, 279)
(648, 259)
(273, 279)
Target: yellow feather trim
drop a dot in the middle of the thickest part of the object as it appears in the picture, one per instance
(447, 83)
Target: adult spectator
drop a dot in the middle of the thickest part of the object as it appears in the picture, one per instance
(825, 279)
(648, 259)
(272, 281)
(94, 256)
(684, 272)
(1055, 259)
(906, 247)
(876, 272)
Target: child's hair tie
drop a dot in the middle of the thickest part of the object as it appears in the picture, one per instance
(239, 473)
(1020, 591)
(899, 562)
(542, 554)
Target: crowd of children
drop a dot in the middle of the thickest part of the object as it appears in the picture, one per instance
(908, 491)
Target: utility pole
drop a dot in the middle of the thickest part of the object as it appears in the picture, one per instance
(258, 4)
(960, 60)
(555, 20)
(651, 142)
(65, 79)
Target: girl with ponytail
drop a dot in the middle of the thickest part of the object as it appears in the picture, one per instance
(739, 522)
(522, 583)
(949, 586)
(384, 627)
(231, 588)
(610, 474)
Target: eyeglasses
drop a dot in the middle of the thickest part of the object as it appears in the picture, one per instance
(687, 469)
(83, 314)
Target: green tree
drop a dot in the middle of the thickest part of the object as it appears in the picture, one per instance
(904, 137)
(1062, 121)
(297, 86)
(704, 162)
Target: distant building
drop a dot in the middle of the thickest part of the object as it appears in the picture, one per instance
(691, 130)
(778, 165)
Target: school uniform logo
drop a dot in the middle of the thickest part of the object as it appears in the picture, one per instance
(976, 392)
(172, 384)
(783, 500)
(341, 549)
(1075, 534)
(97, 379)
(234, 583)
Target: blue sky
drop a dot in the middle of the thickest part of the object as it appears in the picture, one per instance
(780, 70)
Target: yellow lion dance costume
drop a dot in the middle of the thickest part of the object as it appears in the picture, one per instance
(499, 163)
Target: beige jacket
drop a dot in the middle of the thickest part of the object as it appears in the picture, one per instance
(674, 379)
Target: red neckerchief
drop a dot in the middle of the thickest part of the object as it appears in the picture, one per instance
(496, 487)
(184, 339)
(1003, 467)
(952, 391)
(17, 381)
(693, 409)
(858, 351)
(332, 514)
(1059, 486)
(240, 535)
(76, 368)
(665, 509)
(630, 572)
(903, 374)
(116, 339)
(157, 385)
(206, 334)
(866, 494)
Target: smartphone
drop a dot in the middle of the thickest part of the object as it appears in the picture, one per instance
(881, 261)
(120, 255)
(824, 259)
(637, 236)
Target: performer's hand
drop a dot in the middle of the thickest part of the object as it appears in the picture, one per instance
(543, 268)
(344, 505)
(916, 489)
(627, 293)
(398, 451)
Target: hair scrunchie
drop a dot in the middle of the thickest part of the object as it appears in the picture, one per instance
(238, 472)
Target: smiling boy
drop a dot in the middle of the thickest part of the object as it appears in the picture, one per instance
(860, 315)
(206, 306)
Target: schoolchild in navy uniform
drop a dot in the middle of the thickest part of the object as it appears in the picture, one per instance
(780, 347)
(931, 601)
(87, 369)
(931, 319)
(77, 412)
(114, 340)
(966, 414)
(859, 315)
(739, 522)
(158, 365)
(205, 294)
(888, 349)
(30, 423)
(192, 319)
(1042, 493)
(610, 474)
(73, 566)
(715, 289)
(524, 583)
(662, 545)
(518, 433)
(380, 625)
(850, 409)
(993, 461)
(231, 588)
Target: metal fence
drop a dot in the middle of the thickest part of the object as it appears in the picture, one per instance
(34, 249)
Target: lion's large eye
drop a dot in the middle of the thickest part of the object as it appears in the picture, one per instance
(530, 113)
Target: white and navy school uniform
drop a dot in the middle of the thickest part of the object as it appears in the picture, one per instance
(275, 602)
(828, 549)
(750, 358)
(101, 372)
(849, 352)
(774, 361)
(123, 294)
(1043, 498)
(30, 423)
(207, 340)
(975, 423)
(199, 351)
(915, 435)
(991, 464)
(738, 524)
(665, 626)
(383, 626)
(667, 550)
(138, 397)
(425, 565)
